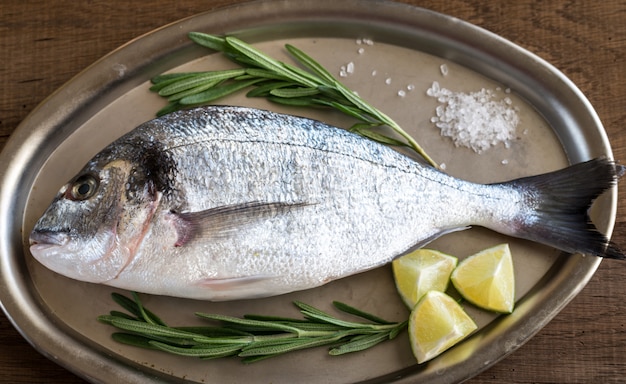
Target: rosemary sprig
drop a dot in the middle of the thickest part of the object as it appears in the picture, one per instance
(252, 337)
(309, 86)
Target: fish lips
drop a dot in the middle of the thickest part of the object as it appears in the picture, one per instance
(58, 251)
(40, 239)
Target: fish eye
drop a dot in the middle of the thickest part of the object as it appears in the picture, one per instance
(84, 187)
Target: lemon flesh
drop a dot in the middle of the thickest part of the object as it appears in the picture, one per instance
(437, 323)
(421, 271)
(486, 279)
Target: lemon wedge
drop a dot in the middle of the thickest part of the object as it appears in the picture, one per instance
(437, 323)
(486, 279)
(421, 271)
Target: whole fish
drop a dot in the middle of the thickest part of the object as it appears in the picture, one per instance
(223, 203)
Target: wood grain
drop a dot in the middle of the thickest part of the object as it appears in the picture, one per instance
(44, 44)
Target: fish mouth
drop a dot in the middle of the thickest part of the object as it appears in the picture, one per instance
(48, 239)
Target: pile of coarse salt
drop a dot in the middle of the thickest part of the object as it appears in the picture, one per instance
(477, 120)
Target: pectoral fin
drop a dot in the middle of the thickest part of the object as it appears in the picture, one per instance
(220, 221)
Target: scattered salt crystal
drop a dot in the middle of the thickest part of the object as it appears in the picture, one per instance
(350, 68)
(361, 51)
(359, 41)
(401, 93)
(508, 90)
(477, 120)
(374, 72)
(410, 87)
(444, 69)
(505, 162)
(368, 42)
(443, 166)
(346, 70)
(388, 81)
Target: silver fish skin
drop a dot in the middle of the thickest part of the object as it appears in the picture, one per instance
(222, 203)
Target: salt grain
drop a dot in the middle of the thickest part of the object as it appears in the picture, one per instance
(401, 93)
(346, 70)
(477, 120)
(444, 69)
(410, 87)
(388, 81)
(361, 51)
(374, 72)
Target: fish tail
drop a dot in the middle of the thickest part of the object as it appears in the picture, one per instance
(560, 202)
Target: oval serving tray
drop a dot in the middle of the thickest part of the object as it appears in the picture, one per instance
(558, 126)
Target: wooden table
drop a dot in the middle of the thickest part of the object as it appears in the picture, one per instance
(44, 44)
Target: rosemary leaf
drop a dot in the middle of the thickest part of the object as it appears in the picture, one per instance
(294, 345)
(357, 312)
(308, 62)
(131, 339)
(257, 72)
(200, 88)
(147, 316)
(123, 315)
(149, 329)
(199, 80)
(289, 93)
(276, 326)
(396, 331)
(207, 351)
(214, 331)
(294, 101)
(213, 42)
(267, 62)
(350, 111)
(264, 90)
(359, 344)
(366, 130)
(216, 92)
(162, 81)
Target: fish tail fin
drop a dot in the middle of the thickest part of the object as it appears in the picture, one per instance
(560, 202)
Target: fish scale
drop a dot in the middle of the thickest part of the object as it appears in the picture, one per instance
(232, 202)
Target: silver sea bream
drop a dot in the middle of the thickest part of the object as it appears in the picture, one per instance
(224, 203)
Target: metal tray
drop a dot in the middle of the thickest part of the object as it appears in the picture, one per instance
(558, 126)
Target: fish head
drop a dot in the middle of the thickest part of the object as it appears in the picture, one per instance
(91, 230)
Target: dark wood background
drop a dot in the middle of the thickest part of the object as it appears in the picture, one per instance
(44, 44)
